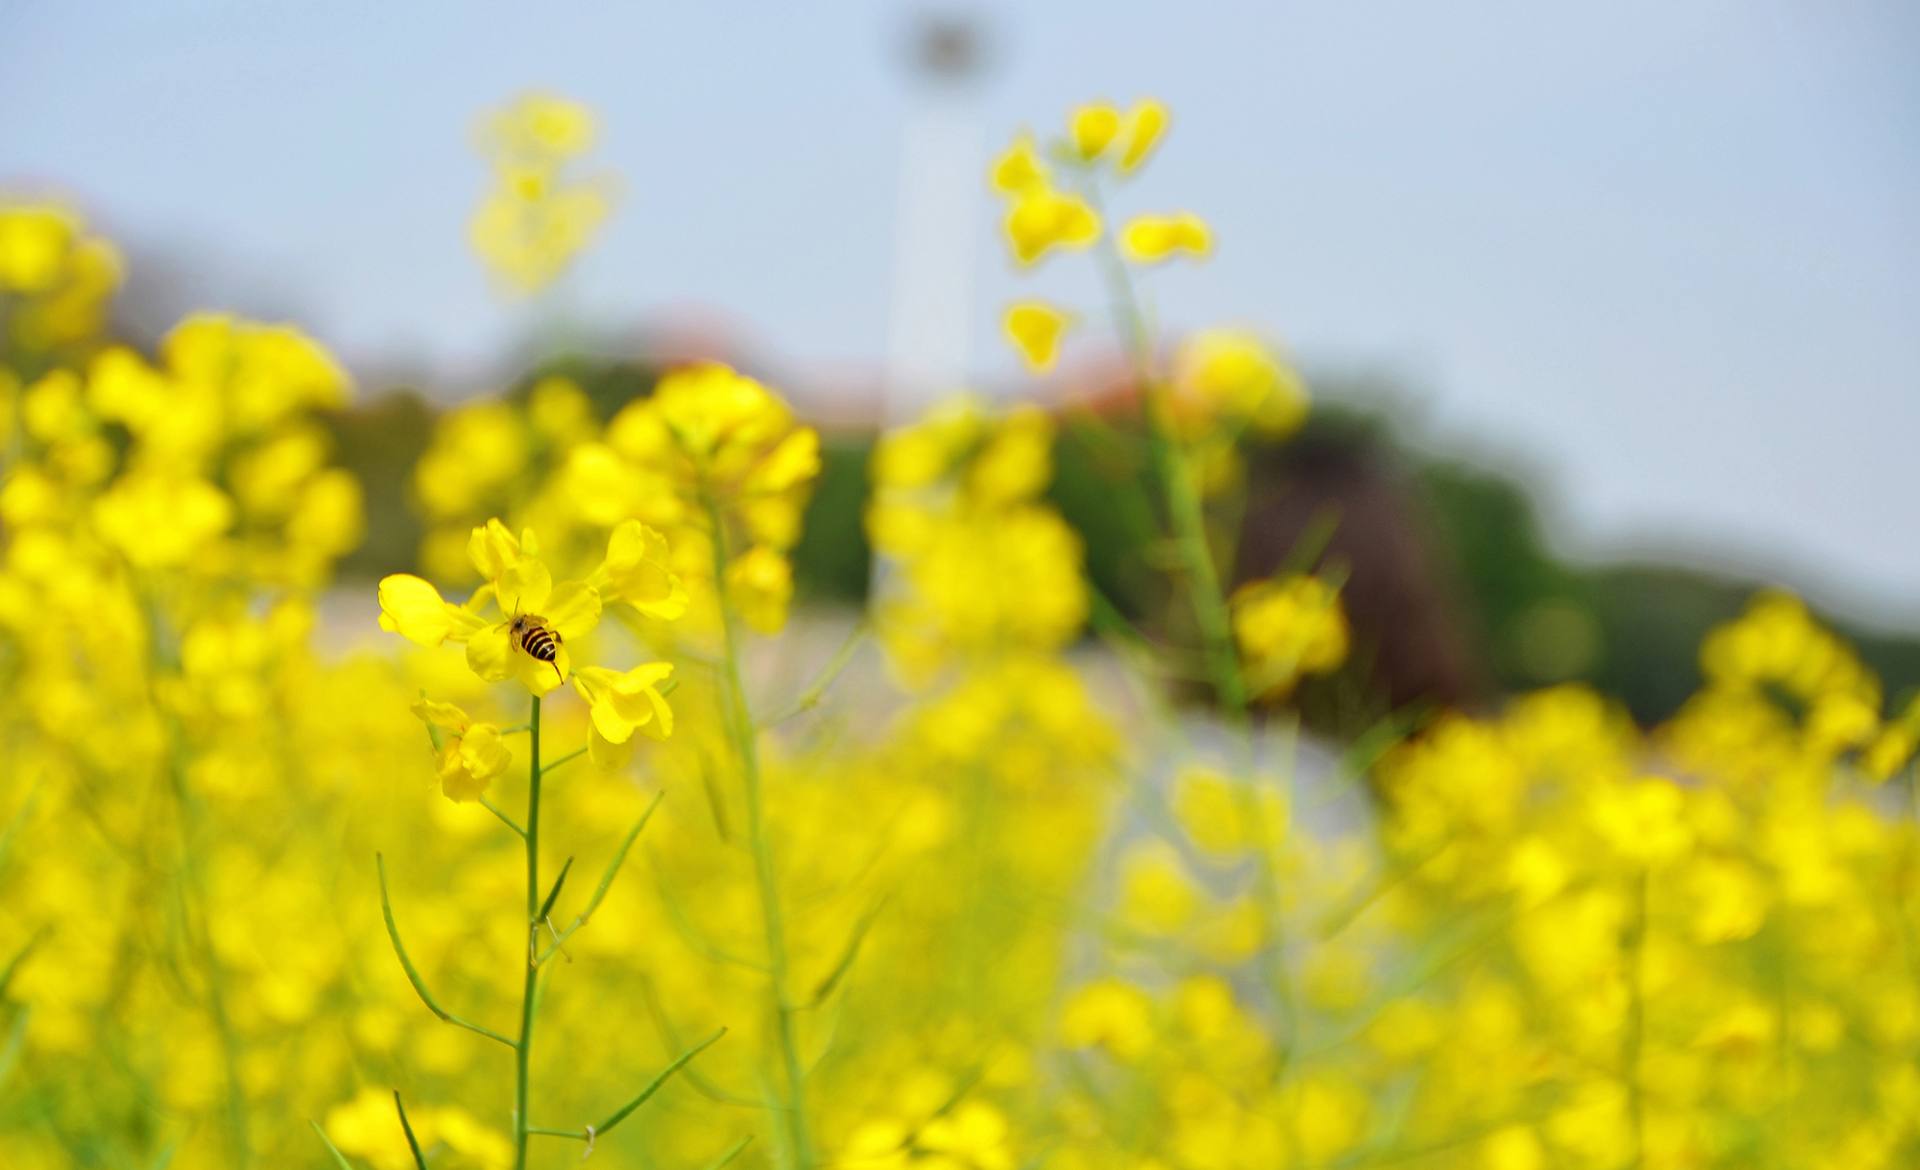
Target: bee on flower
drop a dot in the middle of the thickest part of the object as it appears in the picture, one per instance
(534, 620)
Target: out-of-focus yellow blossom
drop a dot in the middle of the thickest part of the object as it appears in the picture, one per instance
(1043, 220)
(1092, 128)
(34, 241)
(58, 279)
(1020, 169)
(162, 521)
(1150, 239)
(1288, 628)
(1109, 1014)
(637, 571)
(760, 582)
(1233, 374)
(471, 755)
(1035, 328)
(1146, 125)
(536, 220)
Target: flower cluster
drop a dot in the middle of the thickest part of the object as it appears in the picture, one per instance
(536, 219)
(951, 920)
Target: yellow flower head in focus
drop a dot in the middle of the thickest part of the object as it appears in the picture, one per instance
(621, 703)
(534, 612)
(1035, 329)
(471, 755)
(1151, 239)
(1288, 628)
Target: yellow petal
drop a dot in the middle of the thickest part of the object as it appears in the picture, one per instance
(524, 587)
(537, 676)
(573, 609)
(492, 549)
(1035, 328)
(490, 653)
(445, 716)
(1146, 123)
(1094, 128)
(1044, 220)
(1149, 239)
(414, 609)
(605, 754)
(1019, 169)
(635, 572)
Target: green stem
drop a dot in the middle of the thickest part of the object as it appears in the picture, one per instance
(1186, 519)
(741, 730)
(571, 756)
(523, 1050)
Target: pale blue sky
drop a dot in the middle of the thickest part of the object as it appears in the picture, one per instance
(1667, 255)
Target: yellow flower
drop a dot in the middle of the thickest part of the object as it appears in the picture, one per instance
(1035, 329)
(621, 703)
(33, 247)
(1020, 169)
(158, 520)
(1288, 628)
(1109, 1014)
(1236, 374)
(636, 572)
(1150, 239)
(1146, 123)
(534, 222)
(1043, 219)
(539, 124)
(522, 586)
(471, 755)
(1093, 129)
(760, 581)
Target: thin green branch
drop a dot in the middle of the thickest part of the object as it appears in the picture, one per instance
(530, 985)
(546, 907)
(691, 1075)
(575, 754)
(504, 819)
(621, 1114)
(817, 690)
(737, 1149)
(413, 973)
(847, 956)
(743, 733)
(339, 1159)
(406, 1127)
(606, 881)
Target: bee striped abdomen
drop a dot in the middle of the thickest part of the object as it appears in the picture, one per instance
(540, 642)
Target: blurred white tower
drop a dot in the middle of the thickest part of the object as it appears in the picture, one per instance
(929, 335)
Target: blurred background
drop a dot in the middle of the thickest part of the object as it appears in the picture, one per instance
(1608, 309)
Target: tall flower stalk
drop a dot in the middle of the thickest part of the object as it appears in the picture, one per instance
(532, 642)
(742, 733)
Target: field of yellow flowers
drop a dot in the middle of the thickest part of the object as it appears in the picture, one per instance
(592, 856)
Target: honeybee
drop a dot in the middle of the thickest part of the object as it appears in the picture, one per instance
(540, 640)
